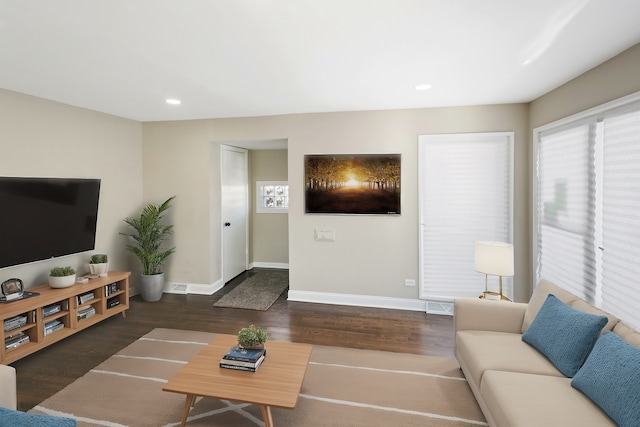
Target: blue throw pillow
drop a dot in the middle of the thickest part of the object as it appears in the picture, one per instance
(611, 378)
(563, 334)
(9, 417)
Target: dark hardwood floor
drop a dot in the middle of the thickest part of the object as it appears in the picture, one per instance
(44, 373)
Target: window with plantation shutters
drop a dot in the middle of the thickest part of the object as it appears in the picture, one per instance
(465, 196)
(566, 209)
(587, 197)
(620, 281)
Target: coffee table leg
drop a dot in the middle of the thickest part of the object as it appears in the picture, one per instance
(187, 407)
(266, 415)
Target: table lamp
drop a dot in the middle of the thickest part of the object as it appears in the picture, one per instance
(496, 259)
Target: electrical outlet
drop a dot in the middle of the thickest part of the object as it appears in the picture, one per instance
(409, 282)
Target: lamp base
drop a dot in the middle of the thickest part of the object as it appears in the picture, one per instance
(498, 296)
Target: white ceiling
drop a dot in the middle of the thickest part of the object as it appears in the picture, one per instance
(232, 58)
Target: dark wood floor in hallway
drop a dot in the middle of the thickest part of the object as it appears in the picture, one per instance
(51, 369)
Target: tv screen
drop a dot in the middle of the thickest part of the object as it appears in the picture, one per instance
(42, 218)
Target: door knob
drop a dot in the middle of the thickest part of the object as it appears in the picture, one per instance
(227, 224)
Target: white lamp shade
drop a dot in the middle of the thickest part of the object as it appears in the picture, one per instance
(494, 258)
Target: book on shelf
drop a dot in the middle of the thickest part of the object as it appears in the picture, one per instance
(86, 312)
(110, 289)
(113, 302)
(15, 340)
(244, 354)
(15, 322)
(52, 326)
(240, 365)
(83, 298)
(48, 310)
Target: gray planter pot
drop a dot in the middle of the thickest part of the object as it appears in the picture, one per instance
(151, 287)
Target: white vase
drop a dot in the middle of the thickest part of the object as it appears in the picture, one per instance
(62, 281)
(101, 270)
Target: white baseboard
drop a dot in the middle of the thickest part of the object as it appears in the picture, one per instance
(278, 265)
(358, 300)
(193, 288)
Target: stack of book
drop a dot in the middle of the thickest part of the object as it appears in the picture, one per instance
(86, 312)
(52, 326)
(243, 359)
(15, 340)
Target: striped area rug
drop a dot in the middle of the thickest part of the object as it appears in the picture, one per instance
(343, 387)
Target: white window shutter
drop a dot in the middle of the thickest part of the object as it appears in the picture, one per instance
(465, 196)
(565, 205)
(621, 216)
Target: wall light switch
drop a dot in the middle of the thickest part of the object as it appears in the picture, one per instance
(325, 234)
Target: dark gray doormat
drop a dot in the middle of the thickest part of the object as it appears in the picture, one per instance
(258, 292)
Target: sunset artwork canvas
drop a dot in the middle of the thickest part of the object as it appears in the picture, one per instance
(362, 184)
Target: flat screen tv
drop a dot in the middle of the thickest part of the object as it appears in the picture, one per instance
(42, 218)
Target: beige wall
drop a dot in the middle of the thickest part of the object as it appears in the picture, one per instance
(46, 139)
(611, 80)
(372, 255)
(269, 232)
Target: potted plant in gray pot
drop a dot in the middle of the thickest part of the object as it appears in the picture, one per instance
(148, 244)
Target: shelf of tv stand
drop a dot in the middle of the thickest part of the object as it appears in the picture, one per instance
(68, 313)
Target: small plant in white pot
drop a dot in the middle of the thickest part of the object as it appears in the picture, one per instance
(98, 265)
(62, 277)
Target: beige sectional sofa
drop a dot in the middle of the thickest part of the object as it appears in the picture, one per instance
(8, 387)
(514, 383)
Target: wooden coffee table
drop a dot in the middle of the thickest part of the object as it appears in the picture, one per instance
(277, 382)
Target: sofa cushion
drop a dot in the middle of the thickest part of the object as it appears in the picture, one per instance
(544, 288)
(526, 400)
(611, 378)
(9, 417)
(539, 296)
(627, 333)
(581, 305)
(479, 351)
(563, 334)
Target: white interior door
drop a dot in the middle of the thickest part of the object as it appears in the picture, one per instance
(235, 210)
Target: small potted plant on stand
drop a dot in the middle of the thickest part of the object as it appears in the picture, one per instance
(252, 337)
(98, 265)
(62, 277)
(148, 237)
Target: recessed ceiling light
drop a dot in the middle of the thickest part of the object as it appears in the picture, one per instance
(423, 87)
(173, 101)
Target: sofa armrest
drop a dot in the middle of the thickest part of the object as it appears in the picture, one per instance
(8, 397)
(488, 315)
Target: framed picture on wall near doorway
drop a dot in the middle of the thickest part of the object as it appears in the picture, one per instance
(352, 184)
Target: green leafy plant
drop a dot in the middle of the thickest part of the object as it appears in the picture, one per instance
(252, 336)
(98, 259)
(62, 271)
(149, 235)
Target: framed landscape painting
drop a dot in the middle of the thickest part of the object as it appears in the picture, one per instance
(360, 184)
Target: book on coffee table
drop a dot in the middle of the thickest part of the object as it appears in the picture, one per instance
(245, 354)
(240, 365)
(243, 359)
